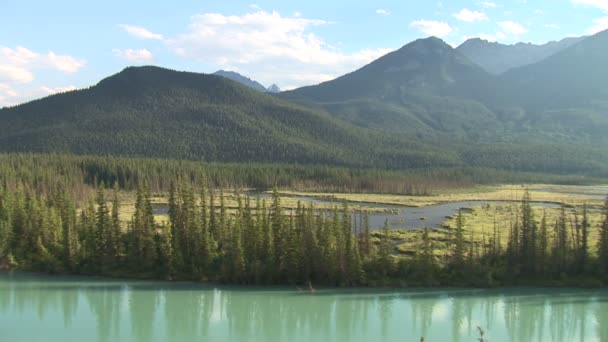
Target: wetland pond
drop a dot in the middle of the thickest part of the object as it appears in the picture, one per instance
(51, 308)
(398, 216)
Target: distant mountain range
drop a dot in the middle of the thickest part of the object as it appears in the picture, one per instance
(497, 58)
(431, 89)
(424, 105)
(247, 81)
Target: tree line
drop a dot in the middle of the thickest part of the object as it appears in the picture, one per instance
(80, 175)
(261, 243)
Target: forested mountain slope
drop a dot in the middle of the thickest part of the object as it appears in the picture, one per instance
(430, 90)
(425, 105)
(149, 111)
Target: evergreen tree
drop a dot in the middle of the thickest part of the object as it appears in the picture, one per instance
(143, 247)
(103, 232)
(529, 233)
(425, 257)
(560, 244)
(602, 248)
(543, 244)
(458, 242)
(116, 242)
(584, 245)
(367, 246)
(386, 249)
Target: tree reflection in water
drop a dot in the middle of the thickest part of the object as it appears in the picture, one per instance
(70, 309)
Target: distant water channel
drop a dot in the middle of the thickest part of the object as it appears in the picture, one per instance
(65, 309)
(399, 217)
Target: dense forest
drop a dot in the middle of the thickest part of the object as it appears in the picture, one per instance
(262, 243)
(80, 175)
(160, 113)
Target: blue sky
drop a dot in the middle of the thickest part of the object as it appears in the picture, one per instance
(52, 46)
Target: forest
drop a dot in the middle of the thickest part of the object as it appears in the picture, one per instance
(51, 220)
(159, 113)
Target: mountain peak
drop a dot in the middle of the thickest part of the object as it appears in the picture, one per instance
(498, 58)
(274, 89)
(235, 76)
(429, 43)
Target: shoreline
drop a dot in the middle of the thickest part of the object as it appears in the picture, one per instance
(601, 285)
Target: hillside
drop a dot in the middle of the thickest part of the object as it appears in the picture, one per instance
(424, 88)
(149, 111)
(554, 109)
(565, 95)
(497, 58)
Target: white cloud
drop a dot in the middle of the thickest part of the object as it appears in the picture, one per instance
(269, 47)
(140, 32)
(17, 65)
(600, 24)
(512, 27)
(133, 55)
(382, 11)
(601, 4)
(7, 95)
(65, 63)
(14, 73)
(17, 71)
(470, 16)
(14, 64)
(55, 90)
(488, 4)
(552, 26)
(431, 27)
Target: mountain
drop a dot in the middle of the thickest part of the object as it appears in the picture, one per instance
(555, 108)
(432, 90)
(155, 112)
(567, 93)
(424, 89)
(423, 66)
(241, 79)
(497, 58)
(424, 105)
(274, 89)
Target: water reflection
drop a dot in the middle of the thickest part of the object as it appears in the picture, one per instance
(34, 308)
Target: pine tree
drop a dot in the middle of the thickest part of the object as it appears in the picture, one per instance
(207, 243)
(143, 249)
(367, 246)
(560, 244)
(543, 244)
(69, 232)
(602, 248)
(584, 245)
(529, 234)
(103, 230)
(385, 251)
(116, 243)
(458, 242)
(425, 257)
(277, 226)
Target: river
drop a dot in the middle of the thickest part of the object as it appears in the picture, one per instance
(52, 308)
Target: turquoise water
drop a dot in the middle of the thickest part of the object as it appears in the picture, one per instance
(47, 308)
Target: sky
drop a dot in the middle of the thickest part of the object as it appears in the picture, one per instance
(55, 46)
